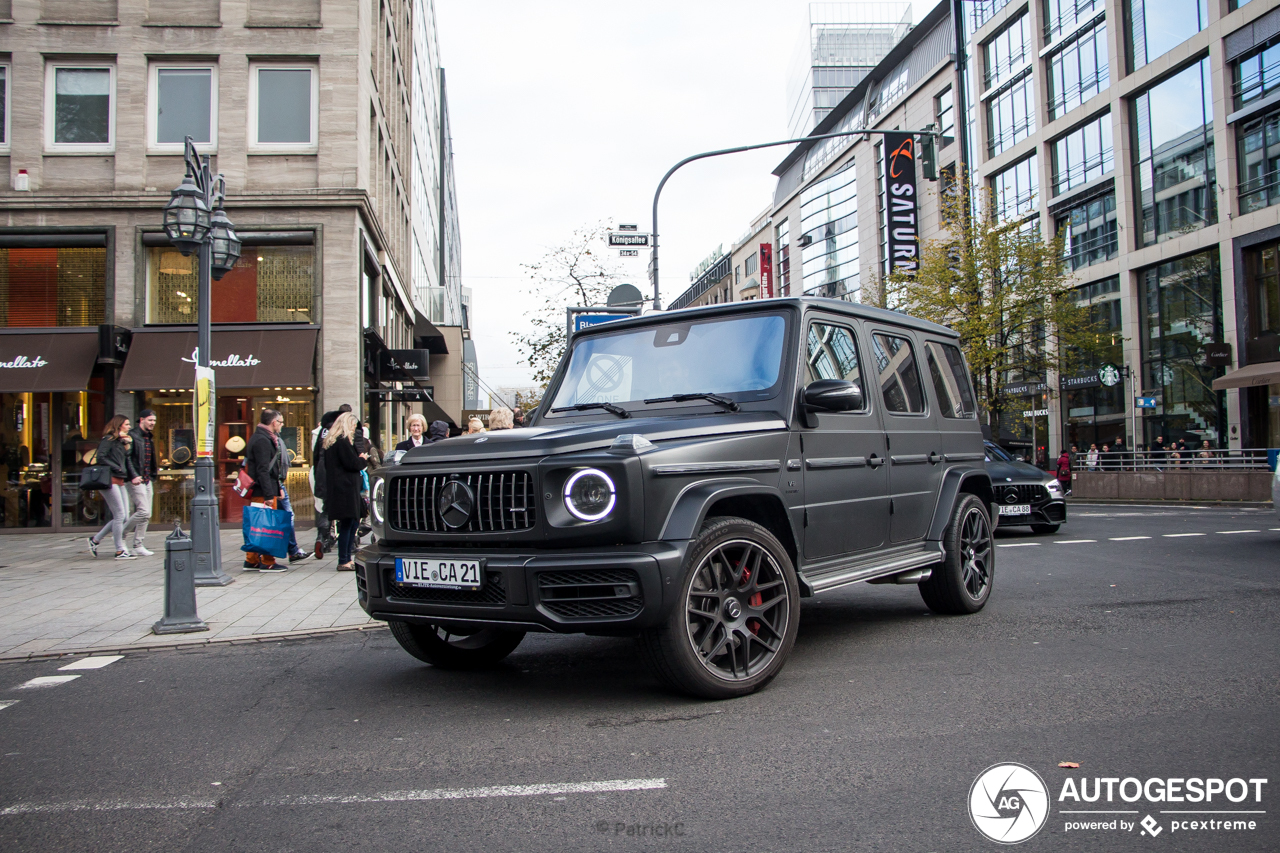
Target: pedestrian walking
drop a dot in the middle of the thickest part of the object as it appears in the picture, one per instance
(343, 466)
(417, 425)
(113, 452)
(500, 418)
(142, 494)
(325, 539)
(1091, 458)
(267, 464)
(1064, 472)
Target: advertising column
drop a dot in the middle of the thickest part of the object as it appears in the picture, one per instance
(766, 271)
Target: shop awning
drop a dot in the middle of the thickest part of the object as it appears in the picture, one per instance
(1267, 373)
(243, 358)
(47, 360)
(432, 412)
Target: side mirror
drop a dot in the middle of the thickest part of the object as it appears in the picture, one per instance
(832, 395)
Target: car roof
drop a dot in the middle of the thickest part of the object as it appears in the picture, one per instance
(835, 306)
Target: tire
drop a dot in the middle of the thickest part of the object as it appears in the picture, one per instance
(734, 624)
(1045, 528)
(446, 650)
(961, 584)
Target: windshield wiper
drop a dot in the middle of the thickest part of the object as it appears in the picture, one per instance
(711, 398)
(582, 407)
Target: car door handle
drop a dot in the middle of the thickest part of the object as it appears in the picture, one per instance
(874, 461)
(910, 459)
(934, 458)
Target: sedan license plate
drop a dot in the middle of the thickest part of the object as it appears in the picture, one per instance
(443, 572)
(1015, 509)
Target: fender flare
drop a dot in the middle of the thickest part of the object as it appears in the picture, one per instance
(689, 509)
(952, 481)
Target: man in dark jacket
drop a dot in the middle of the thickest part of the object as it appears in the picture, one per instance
(267, 463)
(437, 431)
(143, 451)
(325, 540)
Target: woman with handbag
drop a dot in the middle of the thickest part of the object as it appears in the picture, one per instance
(114, 453)
(343, 468)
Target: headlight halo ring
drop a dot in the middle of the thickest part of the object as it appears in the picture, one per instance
(578, 476)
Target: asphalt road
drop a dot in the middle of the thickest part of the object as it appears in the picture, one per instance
(1146, 658)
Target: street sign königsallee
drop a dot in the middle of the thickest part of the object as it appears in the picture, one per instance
(628, 240)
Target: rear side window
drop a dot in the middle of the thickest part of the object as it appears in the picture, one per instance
(830, 353)
(950, 381)
(899, 374)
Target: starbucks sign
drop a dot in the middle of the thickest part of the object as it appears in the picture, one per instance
(1109, 375)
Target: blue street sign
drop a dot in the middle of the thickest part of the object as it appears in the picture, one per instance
(582, 321)
(1144, 402)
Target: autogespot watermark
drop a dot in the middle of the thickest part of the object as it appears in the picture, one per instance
(1010, 802)
(650, 829)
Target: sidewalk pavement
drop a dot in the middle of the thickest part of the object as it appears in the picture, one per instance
(57, 598)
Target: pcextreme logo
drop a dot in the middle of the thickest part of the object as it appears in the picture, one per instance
(1010, 802)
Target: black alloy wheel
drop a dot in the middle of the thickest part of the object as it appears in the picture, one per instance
(735, 623)
(438, 646)
(962, 583)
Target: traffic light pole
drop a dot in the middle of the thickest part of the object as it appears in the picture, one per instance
(929, 134)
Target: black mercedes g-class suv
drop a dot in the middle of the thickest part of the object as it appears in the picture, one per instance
(689, 477)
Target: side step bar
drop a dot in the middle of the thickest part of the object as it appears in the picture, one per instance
(907, 566)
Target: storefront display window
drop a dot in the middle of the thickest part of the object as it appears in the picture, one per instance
(45, 287)
(1096, 415)
(269, 284)
(47, 439)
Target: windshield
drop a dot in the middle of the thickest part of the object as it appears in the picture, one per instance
(996, 453)
(739, 357)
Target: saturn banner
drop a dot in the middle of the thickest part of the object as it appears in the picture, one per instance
(901, 205)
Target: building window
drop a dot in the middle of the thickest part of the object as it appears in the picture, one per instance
(1256, 74)
(1008, 52)
(1011, 115)
(1089, 231)
(1182, 311)
(1015, 191)
(80, 108)
(784, 258)
(1262, 272)
(829, 223)
(1173, 154)
(1079, 70)
(283, 108)
(52, 287)
(944, 113)
(1062, 17)
(184, 102)
(269, 284)
(1258, 141)
(4, 107)
(882, 220)
(1083, 155)
(1097, 415)
(1156, 26)
(751, 264)
(981, 11)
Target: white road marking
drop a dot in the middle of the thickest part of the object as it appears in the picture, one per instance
(348, 799)
(46, 681)
(1072, 541)
(1229, 532)
(1180, 535)
(1127, 538)
(5, 703)
(1018, 545)
(91, 663)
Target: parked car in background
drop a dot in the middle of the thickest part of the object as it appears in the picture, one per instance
(1023, 493)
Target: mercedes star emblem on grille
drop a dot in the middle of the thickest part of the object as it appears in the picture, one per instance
(455, 503)
(1011, 496)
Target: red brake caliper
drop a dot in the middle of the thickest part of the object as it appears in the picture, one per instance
(755, 601)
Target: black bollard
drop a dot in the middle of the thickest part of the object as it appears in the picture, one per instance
(179, 588)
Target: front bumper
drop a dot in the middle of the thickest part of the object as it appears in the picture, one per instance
(604, 590)
(1053, 511)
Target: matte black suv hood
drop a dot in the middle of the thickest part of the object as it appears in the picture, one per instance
(1016, 472)
(577, 436)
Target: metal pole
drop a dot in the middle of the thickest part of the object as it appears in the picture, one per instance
(653, 264)
(206, 541)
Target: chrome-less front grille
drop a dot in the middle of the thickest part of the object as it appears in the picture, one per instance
(501, 500)
(1024, 493)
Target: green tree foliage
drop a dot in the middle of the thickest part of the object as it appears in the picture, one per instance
(578, 273)
(1007, 292)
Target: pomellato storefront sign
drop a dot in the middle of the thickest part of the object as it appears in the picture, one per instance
(901, 205)
(22, 361)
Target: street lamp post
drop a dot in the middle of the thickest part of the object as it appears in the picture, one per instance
(196, 224)
(653, 263)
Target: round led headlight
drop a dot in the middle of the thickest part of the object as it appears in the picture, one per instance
(589, 494)
(377, 495)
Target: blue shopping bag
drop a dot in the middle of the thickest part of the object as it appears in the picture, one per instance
(266, 530)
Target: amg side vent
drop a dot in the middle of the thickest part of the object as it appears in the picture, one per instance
(591, 593)
(502, 500)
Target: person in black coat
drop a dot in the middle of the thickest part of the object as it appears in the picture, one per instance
(417, 433)
(343, 483)
(325, 540)
(438, 431)
(114, 451)
(266, 461)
